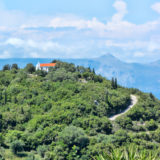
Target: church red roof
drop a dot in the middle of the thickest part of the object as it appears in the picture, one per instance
(47, 64)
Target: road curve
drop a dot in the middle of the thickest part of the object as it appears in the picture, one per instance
(134, 100)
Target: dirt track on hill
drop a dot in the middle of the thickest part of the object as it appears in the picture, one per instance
(134, 101)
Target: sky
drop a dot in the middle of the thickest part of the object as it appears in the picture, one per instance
(127, 29)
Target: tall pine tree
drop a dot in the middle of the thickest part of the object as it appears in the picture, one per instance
(112, 82)
(115, 83)
(5, 97)
(93, 71)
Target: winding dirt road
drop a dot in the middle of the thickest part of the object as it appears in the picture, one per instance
(134, 100)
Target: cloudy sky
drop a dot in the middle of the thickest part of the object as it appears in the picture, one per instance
(128, 29)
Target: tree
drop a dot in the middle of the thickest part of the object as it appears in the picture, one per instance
(1, 139)
(89, 69)
(1, 122)
(125, 122)
(115, 83)
(152, 96)
(55, 61)
(73, 136)
(93, 71)
(41, 73)
(14, 66)
(22, 110)
(30, 68)
(42, 150)
(151, 125)
(1, 97)
(5, 97)
(112, 83)
(71, 141)
(6, 67)
(17, 146)
(122, 136)
(107, 95)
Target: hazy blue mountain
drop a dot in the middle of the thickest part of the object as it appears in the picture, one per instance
(146, 77)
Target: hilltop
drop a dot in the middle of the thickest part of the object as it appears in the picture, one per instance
(145, 77)
(64, 114)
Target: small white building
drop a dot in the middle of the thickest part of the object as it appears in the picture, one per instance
(45, 66)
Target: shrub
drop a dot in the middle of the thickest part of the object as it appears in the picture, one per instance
(151, 125)
(6, 67)
(125, 122)
(14, 66)
(73, 136)
(17, 146)
(30, 68)
(42, 150)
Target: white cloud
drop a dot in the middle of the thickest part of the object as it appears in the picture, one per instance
(121, 9)
(5, 54)
(39, 36)
(41, 45)
(149, 46)
(73, 21)
(117, 28)
(15, 19)
(139, 54)
(15, 42)
(76, 22)
(156, 7)
(34, 54)
(11, 19)
(130, 45)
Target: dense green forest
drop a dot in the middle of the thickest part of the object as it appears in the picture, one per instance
(64, 115)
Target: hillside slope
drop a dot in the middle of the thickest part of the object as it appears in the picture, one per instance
(145, 77)
(63, 114)
(134, 101)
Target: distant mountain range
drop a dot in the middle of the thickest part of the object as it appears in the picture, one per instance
(145, 77)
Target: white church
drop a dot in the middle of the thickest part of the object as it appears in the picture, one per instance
(45, 66)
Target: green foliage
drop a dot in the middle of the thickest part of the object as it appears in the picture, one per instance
(114, 83)
(94, 124)
(41, 73)
(152, 96)
(70, 143)
(42, 150)
(14, 66)
(125, 122)
(17, 146)
(30, 68)
(6, 67)
(71, 136)
(63, 113)
(1, 139)
(151, 125)
(131, 152)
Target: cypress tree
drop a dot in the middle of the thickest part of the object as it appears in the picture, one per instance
(1, 96)
(15, 100)
(107, 96)
(1, 122)
(22, 110)
(93, 71)
(89, 69)
(152, 96)
(112, 83)
(115, 83)
(5, 97)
